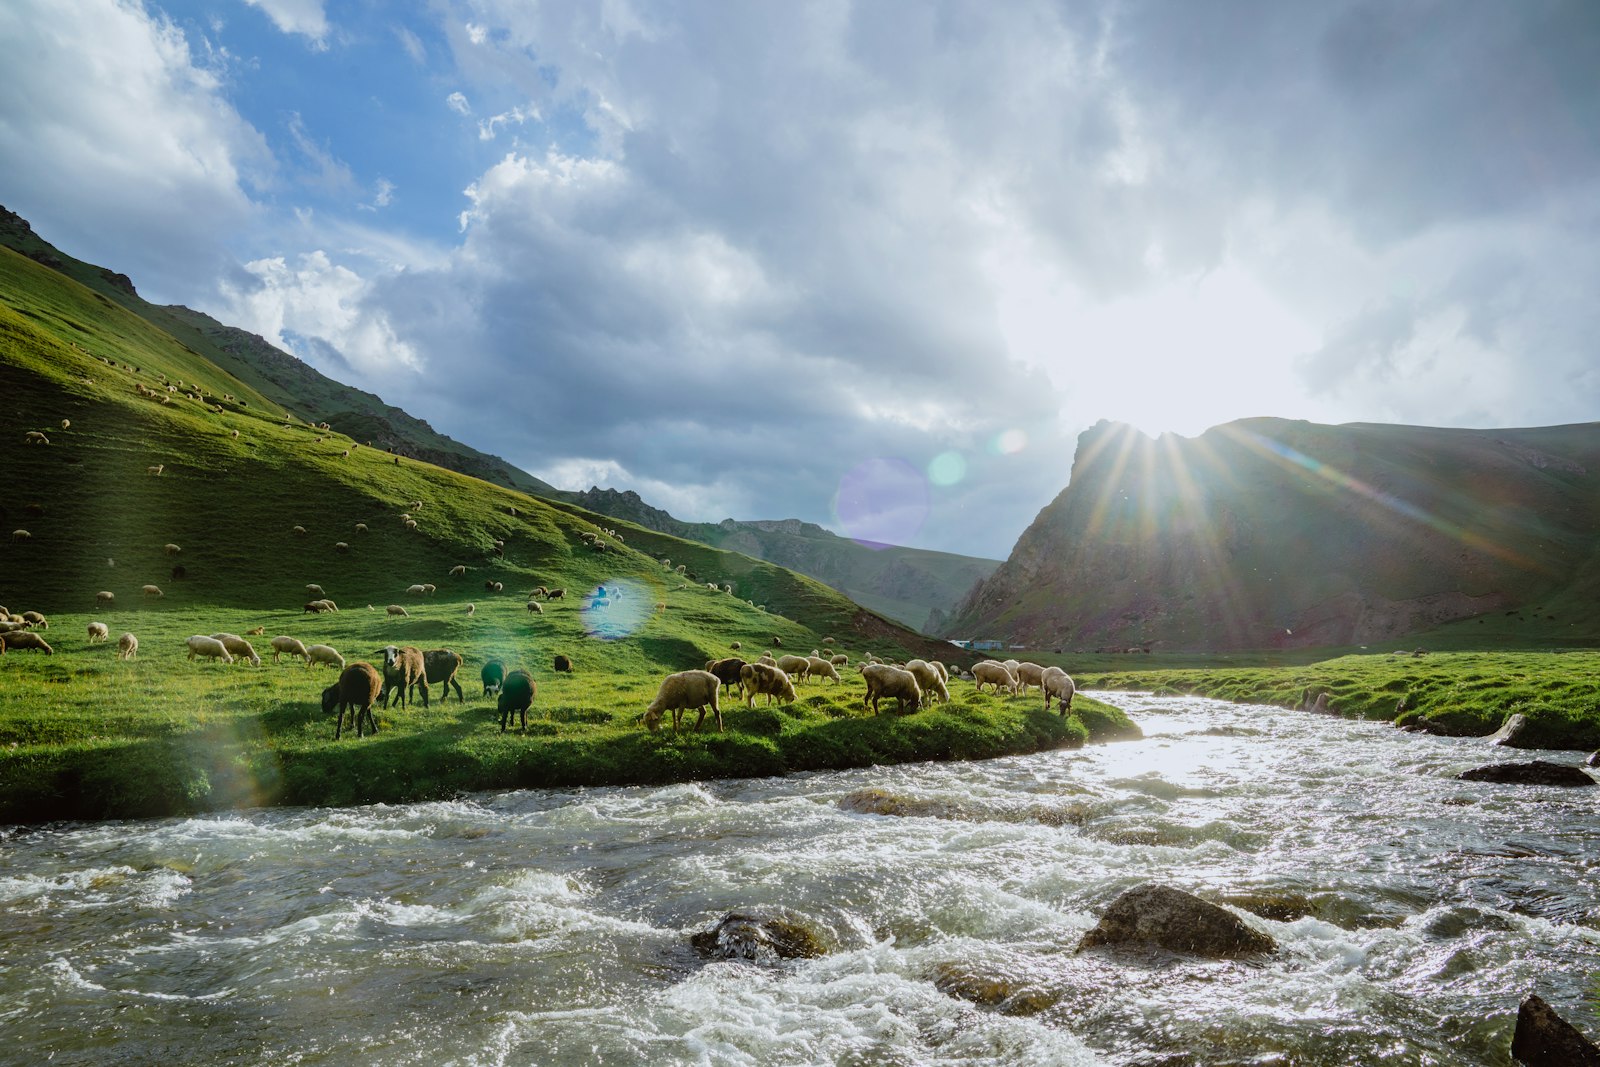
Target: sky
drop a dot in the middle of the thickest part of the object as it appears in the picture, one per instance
(874, 265)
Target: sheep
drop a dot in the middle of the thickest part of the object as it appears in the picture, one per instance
(66, 424)
(238, 648)
(928, 681)
(1028, 674)
(534, 607)
(256, 631)
(681, 692)
(713, 587)
(817, 667)
(991, 672)
(153, 591)
(34, 437)
(358, 688)
(208, 648)
(727, 670)
(171, 549)
(493, 675)
(762, 678)
(98, 631)
(340, 546)
(323, 654)
(35, 620)
(402, 669)
(556, 594)
(299, 531)
(411, 524)
(414, 590)
(944, 675)
(19, 536)
(396, 609)
(25, 639)
(1056, 683)
(472, 609)
(777, 642)
(328, 605)
(679, 568)
(458, 571)
(127, 647)
(827, 640)
(661, 605)
(317, 607)
(155, 471)
(885, 681)
(439, 667)
(429, 589)
(839, 659)
(105, 598)
(563, 664)
(726, 588)
(1012, 665)
(794, 666)
(361, 527)
(315, 590)
(516, 694)
(290, 646)
(345, 454)
(234, 434)
(736, 645)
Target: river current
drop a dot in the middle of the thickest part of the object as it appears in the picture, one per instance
(1412, 913)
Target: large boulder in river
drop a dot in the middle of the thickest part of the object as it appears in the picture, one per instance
(1534, 772)
(1512, 732)
(1175, 920)
(1545, 1039)
(763, 935)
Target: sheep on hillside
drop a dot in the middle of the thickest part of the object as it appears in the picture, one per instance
(317, 607)
(208, 648)
(299, 531)
(256, 631)
(472, 609)
(155, 471)
(27, 640)
(516, 693)
(396, 609)
(358, 688)
(440, 667)
(762, 678)
(492, 675)
(684, 691)
(1055, 683)
(317, 654)
(556, 594)
(991, 672)
(839, 659)
(66, 424)
(458, 571)
(98, 631)
(402, 669)
(171, 549)
(361, 527)
(1028, 674)
(736, 645)
(428, 589)
(289, 646)
(563, 665)
(19, 536)
(794, 666)
(34, 437)
(340, 546)
(127, 647)
(35, 620)
(928, 681)
(238, 648)
(105, 598)
(415, 590)
(817, 667)
(727, 671)
(315, 590)
(152, 591)
(885, 681)
(535, 608)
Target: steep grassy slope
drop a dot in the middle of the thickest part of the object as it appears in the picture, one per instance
(1267, 533)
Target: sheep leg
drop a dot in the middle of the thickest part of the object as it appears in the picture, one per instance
(423, 682)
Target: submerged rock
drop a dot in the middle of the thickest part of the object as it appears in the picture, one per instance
(1545, 1039)
(1009, 994)
(1534, 772)
(758, 936)
(1175, 920)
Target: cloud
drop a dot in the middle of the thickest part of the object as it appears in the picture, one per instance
(303, 17)
(458, 103)
(323, 169)
(412, 44)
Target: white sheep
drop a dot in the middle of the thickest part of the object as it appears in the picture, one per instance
(992, 672)
(472, 609)
(315, 590)
(820, 668)
(396, 609)
(929, 681)
(127, 647)
(535, 608)
(1028, 674)
(171, 549)
(208, 648)
(794, 666)
(105, 598)
(340, 546)
(885, 681)
(1055, 683)
(299, 531)
(152, 591)
(323, 654)
(429, 589)
(19, 536)
(66, 424)
(155, 471)
(34, 437)
(684, 691)
(98, 631)
(458, 571)
(288, 646)
(361, 527)
(238, 648)
(414, 590)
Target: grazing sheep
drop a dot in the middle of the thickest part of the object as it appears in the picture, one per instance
(411, 524)
(763, 678)
(208, 648)
(1056, 683)
(827, 640)
(458, 571)
(66, 424)
(105, 598)
(839, 659)
(684, 691)
(493, 675)
(171, 549)
(679, 568)
(428, 589)
(556, 594)
(19, 536)
(127, 647)
(727, 588)
(402, 669)
(27, 640)
(737, 645)
(317, 607)
(928, 681)
(886, 681)
(1028, 674)
(396, 609)
(315, 590)
(533, 606)
(777, 642)
(794, 666)
(155, 472)
(290, 646)
(516, 694)
(440, 667)
(34, 437)
(345, 453)
(340, 546)
(991, 672)
(361, 527)
(1012, 665)
(323, 654)
(817, 667)
(563, 665)
(255, 631)
(238, 648)
(414, 590)
(299, 531)
(727, 670)
(153, 591)
(358, 688)
(98, 631)
(472, 609)
(944, 675)
(234, 434)
(35, 620)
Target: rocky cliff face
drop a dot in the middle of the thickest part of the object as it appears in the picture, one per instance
(1268, 533)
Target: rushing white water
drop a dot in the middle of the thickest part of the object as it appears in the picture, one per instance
(552, 927)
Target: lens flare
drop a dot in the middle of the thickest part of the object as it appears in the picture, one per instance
(882, 502)
(1009, 442)
(616, 609)
(947, 468)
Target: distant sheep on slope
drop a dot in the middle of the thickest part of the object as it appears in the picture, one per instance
(208, 648)
(98, 631)
(289, 646)
(127, 647)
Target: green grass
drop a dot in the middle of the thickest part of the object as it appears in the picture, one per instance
(1458, 693)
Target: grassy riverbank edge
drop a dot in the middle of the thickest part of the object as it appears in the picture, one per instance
(1460, 694)
(230, 764)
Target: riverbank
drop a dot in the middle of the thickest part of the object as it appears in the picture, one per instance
(1458, 694)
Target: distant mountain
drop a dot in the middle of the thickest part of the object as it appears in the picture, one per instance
(1268, 533)
(274, 373)
(910, 585)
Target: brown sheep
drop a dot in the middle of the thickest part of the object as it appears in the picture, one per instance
(555, 594)
(727, 671)
(563, 664)
(403, 668)
(358, 688)
(26, 639)
(440, 666)
(763, 678)
(516, 693)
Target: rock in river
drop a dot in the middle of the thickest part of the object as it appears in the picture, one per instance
(1534, 772)
(1545, 1039)
(758, 936)
(1175, 920)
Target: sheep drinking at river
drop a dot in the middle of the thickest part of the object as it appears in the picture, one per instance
(357, 689)
(885, 681)
(1055, 683)
(516, 693)
(684, 691)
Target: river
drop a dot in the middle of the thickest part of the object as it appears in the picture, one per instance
(536, 928)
